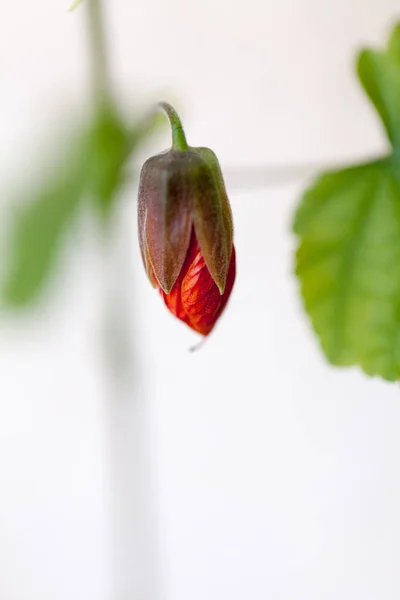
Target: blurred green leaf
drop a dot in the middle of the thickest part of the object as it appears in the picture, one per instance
(109, 148)
(380, 76)
(379, 73)
(92, 169)
(75, 5)
(111, 145)
(348, 258)
(394, 43)
(39, 227)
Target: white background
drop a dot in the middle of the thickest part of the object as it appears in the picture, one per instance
(250, 469)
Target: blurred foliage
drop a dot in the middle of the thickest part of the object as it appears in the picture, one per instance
(348, 222)
(91, 171)
(75, 5)
(107, 151)
(379, 74)
(111, 143)
(39, 225)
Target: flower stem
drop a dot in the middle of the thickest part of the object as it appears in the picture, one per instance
(98, 53)
(178, 135)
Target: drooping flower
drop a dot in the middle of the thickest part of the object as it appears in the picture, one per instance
(186, 231)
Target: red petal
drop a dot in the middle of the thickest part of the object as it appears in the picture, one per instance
(195, 297)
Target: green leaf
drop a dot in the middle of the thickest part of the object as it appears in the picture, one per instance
(348, 224)
(348, 263)
(379, 73)
(109, 148)
(111, 145)
(74, 5)
(92, 169)
(39, 226)
(394, 43)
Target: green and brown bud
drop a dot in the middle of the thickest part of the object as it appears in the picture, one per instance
(186, 231)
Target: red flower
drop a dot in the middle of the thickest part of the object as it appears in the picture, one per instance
(186, 232)
(195, 297)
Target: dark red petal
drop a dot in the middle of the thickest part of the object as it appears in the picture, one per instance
(195, 297)
(173, 300)
(201, 298)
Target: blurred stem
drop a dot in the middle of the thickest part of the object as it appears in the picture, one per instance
(136, 572)
(178, 135)
(98, 53)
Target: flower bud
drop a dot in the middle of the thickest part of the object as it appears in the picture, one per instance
(185, 230)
